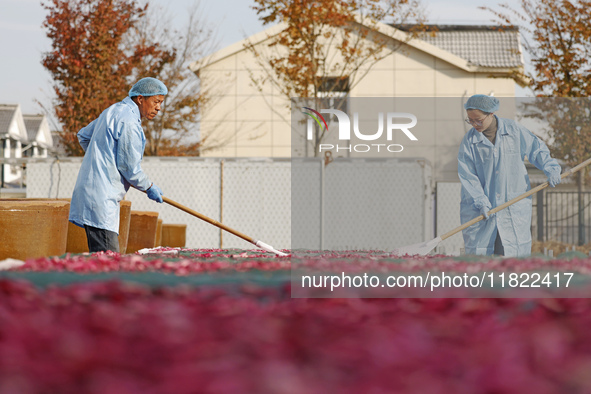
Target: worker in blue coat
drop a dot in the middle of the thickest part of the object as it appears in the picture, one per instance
(114, 147)
(492, 171)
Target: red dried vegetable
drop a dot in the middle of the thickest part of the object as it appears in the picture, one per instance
(106, 337)
(115, 337)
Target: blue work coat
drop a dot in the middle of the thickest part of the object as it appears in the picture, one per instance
(494, 174)
(114, 144)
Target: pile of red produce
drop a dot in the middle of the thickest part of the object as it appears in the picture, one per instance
(196, 261)
(191, 262)
(119, 337)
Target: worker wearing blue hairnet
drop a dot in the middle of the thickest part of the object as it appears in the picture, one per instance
(114, 144)
(492, 171)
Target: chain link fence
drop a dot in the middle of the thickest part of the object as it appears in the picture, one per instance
(248, 195)
(305, 203)
(347, 204)
(360, 204)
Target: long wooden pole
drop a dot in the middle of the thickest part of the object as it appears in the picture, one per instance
(516, 199)
(208, 220)
(259, 243)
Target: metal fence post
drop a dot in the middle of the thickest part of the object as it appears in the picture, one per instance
(581, 210)
(322, 181)
(540, 214)
(2, 153)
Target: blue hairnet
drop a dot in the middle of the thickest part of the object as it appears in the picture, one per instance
(148, 87)
(483, 102)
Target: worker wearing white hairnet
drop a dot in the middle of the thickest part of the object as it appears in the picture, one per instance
(492, 172)
(114, 144)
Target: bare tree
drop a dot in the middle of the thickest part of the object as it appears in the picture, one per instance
(328, 46)
(175, 132)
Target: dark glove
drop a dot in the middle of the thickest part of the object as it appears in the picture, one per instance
(154, 193)
(554, 179)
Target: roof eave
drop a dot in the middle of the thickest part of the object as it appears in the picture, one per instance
(515, 73)
(389, 31)
(239, 46)
(382, 28)
(442, 54)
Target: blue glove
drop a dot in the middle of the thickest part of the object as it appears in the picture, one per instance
(483, 207)
(554, 179)
(154, 193)
(484, 211)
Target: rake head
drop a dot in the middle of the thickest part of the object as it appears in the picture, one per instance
(420, 249)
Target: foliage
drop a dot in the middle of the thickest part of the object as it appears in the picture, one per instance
(569, 125)
(88, 62)
(560, 49)
(101, 47)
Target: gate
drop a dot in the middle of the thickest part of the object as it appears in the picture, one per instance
(563, 216)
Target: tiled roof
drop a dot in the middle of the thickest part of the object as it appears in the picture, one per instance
(6, 115)
(483, 46)
(32, 123)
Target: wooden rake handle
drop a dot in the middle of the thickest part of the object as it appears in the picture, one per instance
(516, 199)
(208, 220)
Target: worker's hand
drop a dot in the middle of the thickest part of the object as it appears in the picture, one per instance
(483, 206)
(154, 193)
(484, 211)
(554, 179)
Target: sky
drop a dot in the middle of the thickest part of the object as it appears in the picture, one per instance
(24, 81)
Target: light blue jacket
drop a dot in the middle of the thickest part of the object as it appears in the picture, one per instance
(114, 144)
(492, 175)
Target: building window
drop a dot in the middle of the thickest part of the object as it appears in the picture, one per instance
(334, 92)
(334, 85)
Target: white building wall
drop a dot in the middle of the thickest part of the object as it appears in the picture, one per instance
(257, 124)
(248, 123)
(12, 173)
